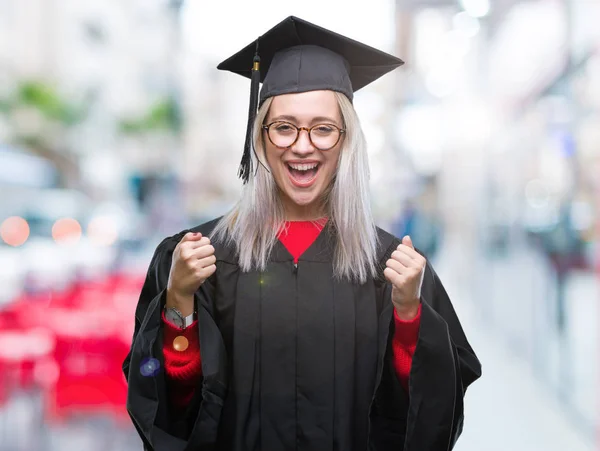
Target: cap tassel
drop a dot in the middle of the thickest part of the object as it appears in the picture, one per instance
(246, 163)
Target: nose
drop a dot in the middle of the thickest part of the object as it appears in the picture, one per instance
(303, 146)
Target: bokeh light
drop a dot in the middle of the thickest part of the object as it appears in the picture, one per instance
(66, 230)
(149, 367)
(180, 343)
(102, 231)
(476, 8)
(14, 231)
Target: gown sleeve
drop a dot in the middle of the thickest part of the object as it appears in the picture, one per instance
(159, 426)
(430, 417)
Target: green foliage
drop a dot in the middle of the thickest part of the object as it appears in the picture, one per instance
(162, 116)
(45, 98)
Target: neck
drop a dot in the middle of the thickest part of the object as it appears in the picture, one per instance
(297, 212)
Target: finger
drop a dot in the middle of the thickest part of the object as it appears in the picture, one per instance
(413, 254)
(204, 241)
(408, 241)
(403, 258)
(193, 254)
(207, 261)
(397, 266)
(191, 236)
(203, 251)
(393, 277)
(208, 271)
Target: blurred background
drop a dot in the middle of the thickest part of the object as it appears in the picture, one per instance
(117, 130)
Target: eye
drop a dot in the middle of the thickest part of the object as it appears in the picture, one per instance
(283, 128)
(323, 129)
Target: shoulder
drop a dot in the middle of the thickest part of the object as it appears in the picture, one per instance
(206, 228)
(386, 244)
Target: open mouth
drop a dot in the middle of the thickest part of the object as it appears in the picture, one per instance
(303, 174)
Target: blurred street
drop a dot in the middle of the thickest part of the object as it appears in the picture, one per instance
(511, 408)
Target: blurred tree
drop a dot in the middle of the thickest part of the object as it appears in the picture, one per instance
(163, 116)
(40, 119)
(48, 102)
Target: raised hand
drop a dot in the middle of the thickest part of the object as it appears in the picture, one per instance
(192, 263)
(405, 270)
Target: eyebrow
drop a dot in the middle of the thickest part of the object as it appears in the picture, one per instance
(315, 120)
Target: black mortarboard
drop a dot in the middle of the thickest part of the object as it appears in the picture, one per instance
(298, 56)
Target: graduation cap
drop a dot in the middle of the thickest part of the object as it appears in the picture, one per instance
(298, 56)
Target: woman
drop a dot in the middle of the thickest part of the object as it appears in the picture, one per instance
(293, 322)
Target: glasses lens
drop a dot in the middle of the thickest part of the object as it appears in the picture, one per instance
(324, 136)
(282, 134)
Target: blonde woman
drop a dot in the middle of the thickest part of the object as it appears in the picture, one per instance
(293, 322)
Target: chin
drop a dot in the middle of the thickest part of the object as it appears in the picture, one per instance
(303, 200)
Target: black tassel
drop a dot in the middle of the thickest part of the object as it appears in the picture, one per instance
(246, 163)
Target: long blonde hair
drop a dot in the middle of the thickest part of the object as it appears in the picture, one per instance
(252, 224)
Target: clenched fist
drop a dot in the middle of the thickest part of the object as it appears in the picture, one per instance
(193, 262)
(405, 270)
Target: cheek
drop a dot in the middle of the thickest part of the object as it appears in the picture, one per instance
(332, 164)
(270, 154)
(274, 163)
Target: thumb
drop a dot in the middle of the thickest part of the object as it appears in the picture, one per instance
(191, 236)
(407, 241)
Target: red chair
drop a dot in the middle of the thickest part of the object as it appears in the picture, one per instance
(89, 356)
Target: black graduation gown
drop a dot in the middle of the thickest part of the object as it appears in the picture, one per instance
(293, 359)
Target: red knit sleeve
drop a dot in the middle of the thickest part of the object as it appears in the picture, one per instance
(406, 334)
(182, 367)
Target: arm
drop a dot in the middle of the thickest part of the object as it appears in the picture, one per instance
(443, 366)
(147, 394)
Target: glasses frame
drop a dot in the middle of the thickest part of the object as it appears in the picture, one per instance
(308, 131)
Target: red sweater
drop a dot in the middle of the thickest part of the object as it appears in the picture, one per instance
(183, 368)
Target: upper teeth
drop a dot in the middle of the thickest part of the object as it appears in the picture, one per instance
(303, 167)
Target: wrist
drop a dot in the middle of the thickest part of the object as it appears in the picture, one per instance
(409, 311)
(183, 303)
(175, 318)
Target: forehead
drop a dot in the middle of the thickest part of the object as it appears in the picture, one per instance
(306, 105)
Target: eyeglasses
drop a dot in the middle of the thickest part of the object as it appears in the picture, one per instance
(322, 136)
